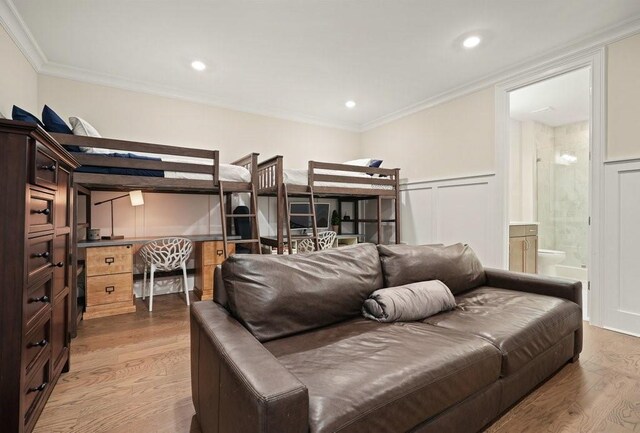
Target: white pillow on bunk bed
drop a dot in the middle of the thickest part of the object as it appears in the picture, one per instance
(364, 162)
(82, 127)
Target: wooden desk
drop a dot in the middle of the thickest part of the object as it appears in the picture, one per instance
(109, 271)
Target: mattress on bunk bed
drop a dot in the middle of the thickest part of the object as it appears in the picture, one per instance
(295, 176)
(227, 172)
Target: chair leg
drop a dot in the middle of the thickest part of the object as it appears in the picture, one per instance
(186, 286)
(153, 269)
(144, 282)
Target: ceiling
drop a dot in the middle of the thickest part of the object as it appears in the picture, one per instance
(557, 101)
(305, 58)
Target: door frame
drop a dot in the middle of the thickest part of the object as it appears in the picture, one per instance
(595, 60)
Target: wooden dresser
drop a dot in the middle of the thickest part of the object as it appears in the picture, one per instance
(209, 254)
(35, 271)
(109, 284)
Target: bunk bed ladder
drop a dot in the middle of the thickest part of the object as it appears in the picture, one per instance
(395, 220)
(226, 199)
(312, 214)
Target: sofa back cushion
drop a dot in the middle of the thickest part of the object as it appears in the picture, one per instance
(279, 295)
(455, 265)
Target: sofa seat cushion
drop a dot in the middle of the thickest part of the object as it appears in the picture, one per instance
(522, 325)
(366, 376)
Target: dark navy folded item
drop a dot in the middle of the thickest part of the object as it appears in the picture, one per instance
(122, 170)
(19, 114)
(54, 123)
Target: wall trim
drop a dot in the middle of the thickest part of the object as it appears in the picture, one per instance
(622, 161)
(17, 29)
(594, 59)
(57, 70)
(574, 49)
(406, 183)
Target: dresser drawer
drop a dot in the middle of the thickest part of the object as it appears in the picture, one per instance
(44, 167)
(37, 300)
(109, 260)
(107, 289)
(36, 342)
(40, 205)
(39, 257)
(35, 387)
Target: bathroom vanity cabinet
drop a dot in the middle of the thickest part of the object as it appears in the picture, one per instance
(523, 248)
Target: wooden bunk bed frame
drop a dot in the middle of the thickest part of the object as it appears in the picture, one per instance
(84, 183)
(271, 183)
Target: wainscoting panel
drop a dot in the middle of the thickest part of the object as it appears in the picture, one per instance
(453, 210)
(622, 247)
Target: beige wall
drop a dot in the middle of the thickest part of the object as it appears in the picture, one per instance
(128, 115)
(623, 98)
(18, 80)
(455, 138)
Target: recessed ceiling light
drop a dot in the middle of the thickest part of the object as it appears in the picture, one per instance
(198, 65)
(471, 42)
(350, 104)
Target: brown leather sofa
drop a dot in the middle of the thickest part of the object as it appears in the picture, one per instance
(284, 347)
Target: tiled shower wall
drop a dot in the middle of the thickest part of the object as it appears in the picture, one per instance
(563, 189)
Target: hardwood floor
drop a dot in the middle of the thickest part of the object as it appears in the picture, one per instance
(130, 373)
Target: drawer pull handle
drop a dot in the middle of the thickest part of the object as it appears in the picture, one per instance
(43, 255)
(220, 252)
(38, 388)
(109, 260)
(43, 299)
(45, 211)
(59, 264)
(109, 289)
(40, 343)
(51, 167)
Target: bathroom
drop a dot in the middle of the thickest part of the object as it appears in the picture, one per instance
(549, 177)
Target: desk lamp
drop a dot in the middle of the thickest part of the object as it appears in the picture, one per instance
(136, 200)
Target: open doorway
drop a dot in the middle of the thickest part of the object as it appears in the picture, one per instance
(549, 177)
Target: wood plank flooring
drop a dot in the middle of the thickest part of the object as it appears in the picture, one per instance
(130, 373)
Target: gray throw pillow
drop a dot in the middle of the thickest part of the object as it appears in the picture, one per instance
(415, 301)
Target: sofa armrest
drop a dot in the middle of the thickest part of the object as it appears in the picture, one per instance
(238, 386)
(539, 284)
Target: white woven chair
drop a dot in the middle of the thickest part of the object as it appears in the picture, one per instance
(165, 254)
(325, 241)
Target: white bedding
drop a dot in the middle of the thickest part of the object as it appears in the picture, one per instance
(300, 176)
(227, 172)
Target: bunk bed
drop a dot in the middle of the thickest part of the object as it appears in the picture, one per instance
(119, 165)
(328, 180)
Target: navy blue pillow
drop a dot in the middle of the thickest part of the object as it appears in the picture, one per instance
(19, 114)
(53, 122)
(375, 163)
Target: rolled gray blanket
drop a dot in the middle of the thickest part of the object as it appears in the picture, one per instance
(415, 301)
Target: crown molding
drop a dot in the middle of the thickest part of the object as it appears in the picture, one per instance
(18, 31)
(574, 49)
(87, 76)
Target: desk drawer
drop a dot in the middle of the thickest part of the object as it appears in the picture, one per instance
(213, 252)
(40, 217)
(107, 289)
(109, 260)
